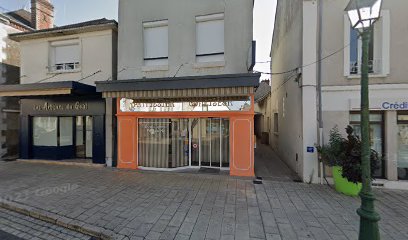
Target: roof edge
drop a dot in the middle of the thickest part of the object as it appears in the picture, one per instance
(64, 30)
(190, 82)
(236, 75)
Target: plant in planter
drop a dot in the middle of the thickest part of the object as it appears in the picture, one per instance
(344, 156)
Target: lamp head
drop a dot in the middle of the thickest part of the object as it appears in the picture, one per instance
(363, 13)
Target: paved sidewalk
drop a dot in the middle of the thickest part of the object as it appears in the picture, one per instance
(24, 227)
(145, 205)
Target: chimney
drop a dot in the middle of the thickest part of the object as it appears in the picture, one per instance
(42, 14)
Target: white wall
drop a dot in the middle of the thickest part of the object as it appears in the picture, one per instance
(342, 94)
(295, 45)
(340, 100)
(96, 54)
(286, 94)
(309, 93)
(333, 40)
(181, 15)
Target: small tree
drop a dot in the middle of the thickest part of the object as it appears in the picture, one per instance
(332, 153)
(346, 153)
(351, 164)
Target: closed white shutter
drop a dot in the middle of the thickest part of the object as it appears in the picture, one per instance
(67, 54)
(156, 46)
(210, 37)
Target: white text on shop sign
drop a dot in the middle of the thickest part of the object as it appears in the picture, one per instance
(129, 105)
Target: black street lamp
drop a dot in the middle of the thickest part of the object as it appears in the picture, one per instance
(363, 14)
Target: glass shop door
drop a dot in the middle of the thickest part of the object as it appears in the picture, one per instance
(210, 142)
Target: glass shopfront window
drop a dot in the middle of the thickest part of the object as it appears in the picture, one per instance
(88, 136)
(376, 136)
(403, 146)
(66, 131)
(154, 143)
(45, 132)
(62, 131)
(172, 143)
(84, 136)
(62, 128)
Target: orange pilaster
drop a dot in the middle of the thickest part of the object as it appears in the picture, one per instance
(127, 142)
(242, 146)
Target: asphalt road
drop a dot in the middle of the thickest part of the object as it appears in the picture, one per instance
(8, 236)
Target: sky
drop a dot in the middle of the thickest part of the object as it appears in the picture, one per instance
(74, 11)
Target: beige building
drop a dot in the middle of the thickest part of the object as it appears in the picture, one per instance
(62, 116)
(309, 30)
(157, 39)
(185, 85)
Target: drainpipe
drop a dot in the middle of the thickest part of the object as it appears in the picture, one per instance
(319, 81)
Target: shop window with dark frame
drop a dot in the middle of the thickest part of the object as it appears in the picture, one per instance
(45, 131)
(376, 136)
(402, 154)
(55, 131)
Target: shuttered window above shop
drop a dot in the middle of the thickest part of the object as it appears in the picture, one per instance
(65, 56)
(210, 38)
(156, 46)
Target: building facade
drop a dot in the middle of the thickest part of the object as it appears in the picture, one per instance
(263, 115)
(40, 17)
(10, 22)
(320, 56)
(62, 116)
(185, 88)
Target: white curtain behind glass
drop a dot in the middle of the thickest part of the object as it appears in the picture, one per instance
(45, 131)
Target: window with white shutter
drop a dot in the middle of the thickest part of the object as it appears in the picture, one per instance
(156, 43)
(210, 38)
(65, 56)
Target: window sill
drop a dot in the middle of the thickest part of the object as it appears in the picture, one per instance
(155, 68)
(209, 64)
(64, 71)
(358, 76)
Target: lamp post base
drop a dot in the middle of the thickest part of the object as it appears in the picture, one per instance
(368, 218)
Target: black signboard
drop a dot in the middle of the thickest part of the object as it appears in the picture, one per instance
(62, 107)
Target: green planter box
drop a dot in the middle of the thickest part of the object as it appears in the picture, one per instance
(342, 185)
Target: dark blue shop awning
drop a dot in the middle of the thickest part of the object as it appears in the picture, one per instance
(46, 89)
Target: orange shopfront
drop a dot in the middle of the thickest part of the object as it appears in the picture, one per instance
(188, 132)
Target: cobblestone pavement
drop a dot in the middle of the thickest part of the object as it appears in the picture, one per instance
(23, 227)
(145, 205)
